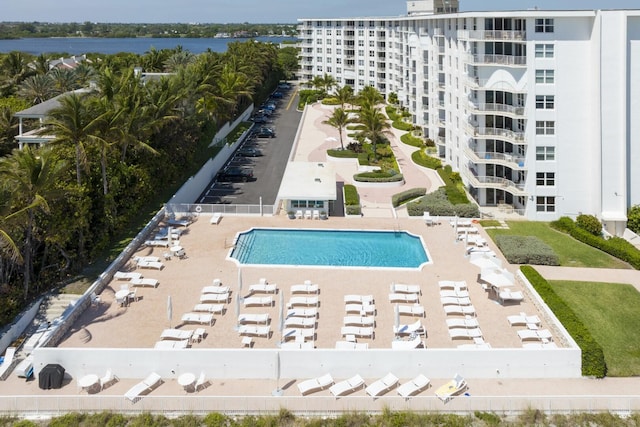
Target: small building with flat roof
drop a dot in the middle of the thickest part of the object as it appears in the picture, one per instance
(308, 186)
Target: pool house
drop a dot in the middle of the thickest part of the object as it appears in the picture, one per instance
(308, 187)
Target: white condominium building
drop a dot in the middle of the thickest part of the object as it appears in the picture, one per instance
(538, 110)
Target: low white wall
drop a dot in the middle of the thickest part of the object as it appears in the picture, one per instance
(262, 364)
(21, 323)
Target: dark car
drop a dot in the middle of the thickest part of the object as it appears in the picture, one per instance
(265, 133)
(277, 94)
(235, 174)
(249, 152)
(259, 119)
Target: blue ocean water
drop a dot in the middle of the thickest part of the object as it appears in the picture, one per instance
(79, 46)
(339, 248)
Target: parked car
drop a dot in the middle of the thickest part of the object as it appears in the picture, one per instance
(277, 94)
(265, 132)
(259, 119)
(249, 152)
(235, 174)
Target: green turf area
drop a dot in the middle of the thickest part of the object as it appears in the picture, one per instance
(571, 252)
(610, 312)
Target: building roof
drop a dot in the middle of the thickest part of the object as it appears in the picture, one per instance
(308, 181)
(41, 110)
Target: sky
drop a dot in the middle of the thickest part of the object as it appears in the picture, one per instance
(254, 11)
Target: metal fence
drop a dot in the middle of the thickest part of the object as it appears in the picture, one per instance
(228, 209)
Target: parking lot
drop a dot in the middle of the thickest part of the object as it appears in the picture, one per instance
(263, 156)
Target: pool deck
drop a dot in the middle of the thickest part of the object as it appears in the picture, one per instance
(207, 246)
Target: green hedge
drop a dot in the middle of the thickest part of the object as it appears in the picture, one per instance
(614, 246)
(402, 125)
(392, 113)
(343, 154)
(330, 101)
(378, 177)
(351, 196)
(438, 204)
(354, 210)
(526, 250)
(411, 140)
(413, 193)
(593, 363)
(421, 158)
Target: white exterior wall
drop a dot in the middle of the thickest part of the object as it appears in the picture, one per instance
(597, 91)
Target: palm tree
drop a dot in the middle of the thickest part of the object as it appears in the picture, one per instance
(63, 79)
(339, 119)
(344, 95)
(374, 126)
(32, 176)
(37, 89)
(14, 68)
(370, 96)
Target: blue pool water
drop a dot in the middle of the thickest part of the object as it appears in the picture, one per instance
(336, 248)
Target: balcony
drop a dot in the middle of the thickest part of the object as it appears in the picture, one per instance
(506, 60)
(498, 35)
(517, 189)
(504, 159)
(440, 140)
(504, 134)
(480, 108)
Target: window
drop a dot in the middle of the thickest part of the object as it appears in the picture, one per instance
(329, 69)
(545, 127)
(338, 70)
(545, 204)
(545, 76)
(328, 51)
(545, 153)
(544, 51)
(544, 25)
(338, 32)
(545, 102)
(318, 50)
(546, 179)
(318, 41)
(328, 32)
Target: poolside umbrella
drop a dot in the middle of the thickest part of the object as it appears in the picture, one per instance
(466, 240)
(455, 227)
(239, 294)
(169, 240)
(397, 317)
(169, 309)
(281, 324)
(483, 261)
(278, 390)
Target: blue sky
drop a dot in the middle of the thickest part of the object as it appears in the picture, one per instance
(267, 11)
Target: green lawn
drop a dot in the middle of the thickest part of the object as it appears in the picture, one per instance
(609, 311)
(571, 252)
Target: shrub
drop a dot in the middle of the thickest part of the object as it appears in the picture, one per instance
(330, 101)
(526, 250)
(593, 363)
(633, 219)
(437, 204)
(351, 196)
(564, 224)
(402, 125)
(590, 224)
(353, 210)
(378, 176)
(413, 193)
(421, 158)
(411, 140)
(392, 113)
(343, 154)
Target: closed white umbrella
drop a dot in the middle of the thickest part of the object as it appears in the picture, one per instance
(238, 297)
(169, 239)
(281, 324)
(455, 228)
(169, 309)
(278, 390)
(397, 317)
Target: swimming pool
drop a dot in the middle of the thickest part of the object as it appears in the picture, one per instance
(335, 248)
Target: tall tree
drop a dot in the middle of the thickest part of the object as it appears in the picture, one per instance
(344, 95)
(339, 119)
(37, 89)
(369, 95)
(374, 126)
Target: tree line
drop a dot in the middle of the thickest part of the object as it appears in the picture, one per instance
(119, 143)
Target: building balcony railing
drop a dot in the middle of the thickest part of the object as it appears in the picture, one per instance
(479, 108)
(508, 60)
(517, 189)
(440, 140)
(497, 35)
(506, 134)
(505, 159)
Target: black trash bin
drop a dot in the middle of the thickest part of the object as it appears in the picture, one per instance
(51, 376)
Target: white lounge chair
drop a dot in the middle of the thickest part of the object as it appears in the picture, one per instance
(411, 310)
(407, 345)
(455, 301)
(301, 334)
(126, 275)
(215, 290)
(348, 345)
(258, 301)
(145, 282)
(507, 295)
(299, 214)
(381, 386)
(464, 310)
(263, 288)
(462, 323)
(412, 328)
(413, 387)
(215, 218)
(306, 288)
(315, 384)
(253, 318)
(146, 385)
(258, 331)
(214, 298)
(538, 335)
(465, 333)
(359, 321)
(523, 320)
(454, 293)
(347, 386)
(362, 309)
(209, 308)
(108, 378)
(307, 214)
(426, 217)
(182, 222)
(146, 259)
(200, 318)
(160, 242)
(366, 332)
(8, 362)
(303, 301)
(403, 297)
(176, 334)
(400, 288)
(447, 391)
(172, 345)
(451, 284)
(359, 299)
(302, 312)
(300, 322)
(316, 214)
(150, 264)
